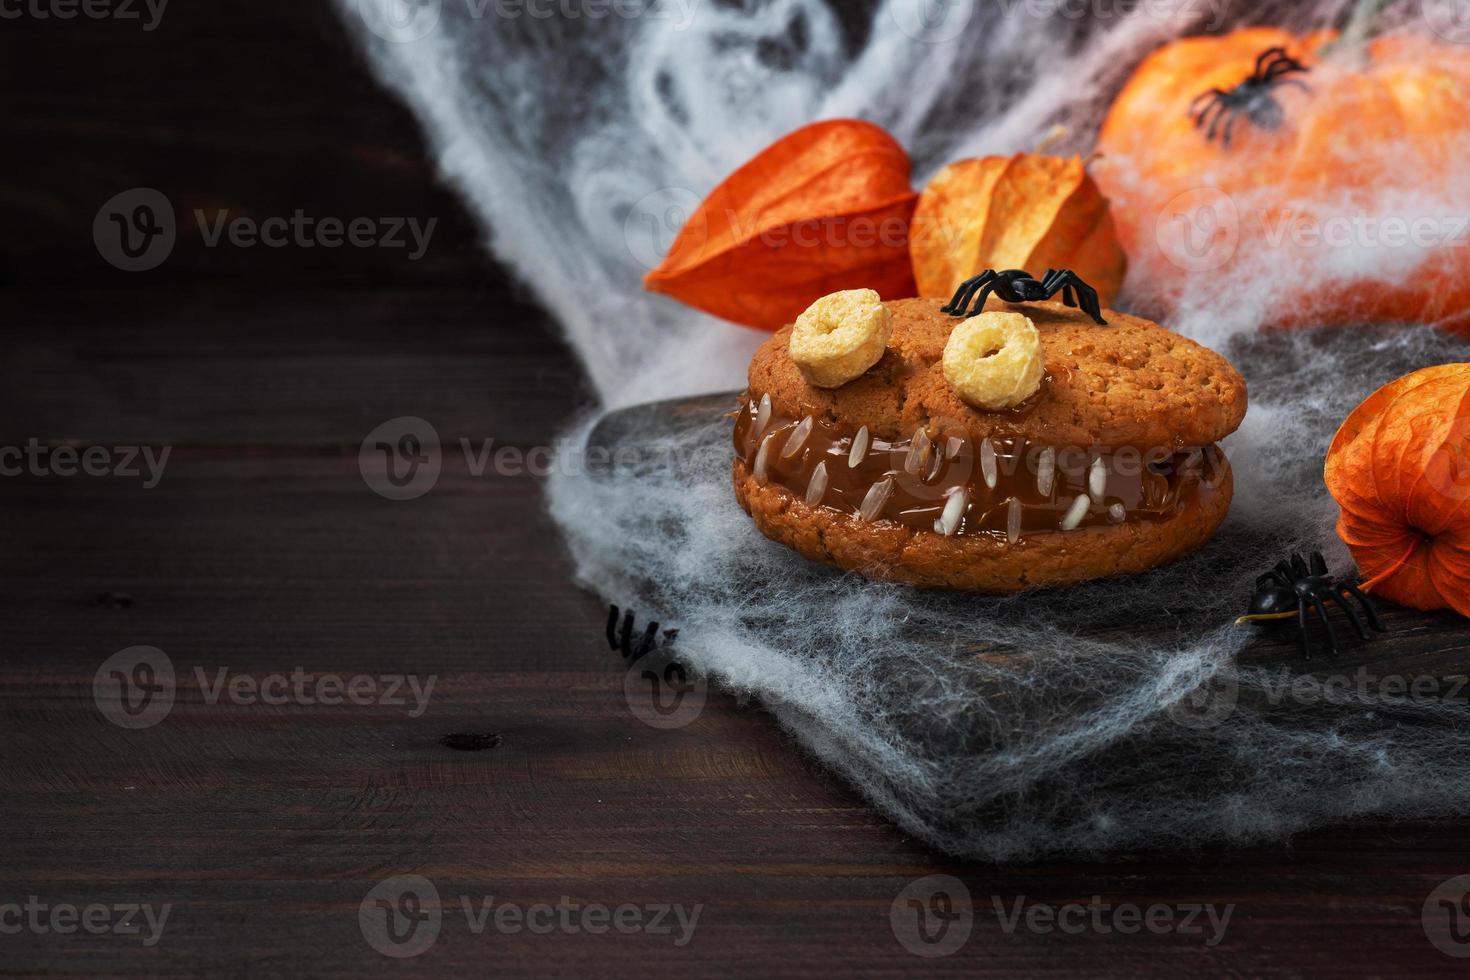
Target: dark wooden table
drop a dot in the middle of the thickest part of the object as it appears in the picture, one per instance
(264, 827)
(528, 777)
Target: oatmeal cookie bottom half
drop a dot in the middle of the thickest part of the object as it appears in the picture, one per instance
(889, 551)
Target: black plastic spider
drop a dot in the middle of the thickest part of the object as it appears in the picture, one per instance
(1289, 588)
(1251, 97)
(623, 640)
(1017, 286)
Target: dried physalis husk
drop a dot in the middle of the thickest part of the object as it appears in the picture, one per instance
(1399, 467)
(824, 208)
(1028, 211)
(993, 360)
(840, 336)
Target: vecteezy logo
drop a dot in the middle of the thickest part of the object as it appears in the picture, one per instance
(660, 691)
(666, 696)
(932, 21)
(1208, 705)
(932, 917)
(1450, 19)
(653, 222)
(1199, 229)
(1447, 470)
(134, 231)
(400, 21)
(1446, 916)
(400, 917)
(134, 688)
(400, 459)
(915, 464)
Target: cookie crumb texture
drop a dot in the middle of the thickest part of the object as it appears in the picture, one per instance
(891, 552)
(1131, 383)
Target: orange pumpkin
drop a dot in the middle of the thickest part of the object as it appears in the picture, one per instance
(1369, 131)
(824, 208)
(1027, 211)
(1399, 467)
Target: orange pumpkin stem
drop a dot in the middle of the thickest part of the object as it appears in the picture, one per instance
(1051, 138)
(1352, 43)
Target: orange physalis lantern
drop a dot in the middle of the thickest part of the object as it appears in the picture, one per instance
(824, 208)
(1399, 467)
(1027, 211)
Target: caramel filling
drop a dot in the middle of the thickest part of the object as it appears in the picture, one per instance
(1000, 486)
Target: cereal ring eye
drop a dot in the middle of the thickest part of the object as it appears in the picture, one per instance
(993, 361)
(840, 336)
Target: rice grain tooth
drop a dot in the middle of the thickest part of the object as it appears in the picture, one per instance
(859, 448)
(987, 463)
(763, 461)
(763, 414)
(1013, 520)
(1076, 512)
(875, 498)
(816, 488)
(1046, 471)
(797, 439)
(954, 511)
(936, 462)
(1097, 479)
(918, 456)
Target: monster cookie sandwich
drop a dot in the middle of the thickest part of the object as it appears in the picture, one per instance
(1017, 443)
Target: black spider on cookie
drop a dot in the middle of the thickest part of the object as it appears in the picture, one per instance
(1019, 286)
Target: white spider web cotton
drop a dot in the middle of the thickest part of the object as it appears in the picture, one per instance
(987, 727)
(582, 143)
(1063, 720)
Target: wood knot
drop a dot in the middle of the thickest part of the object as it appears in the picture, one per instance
(470, 741)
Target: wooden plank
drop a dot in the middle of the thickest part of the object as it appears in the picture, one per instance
(255, 107)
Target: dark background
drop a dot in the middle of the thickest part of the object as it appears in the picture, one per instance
(262, 550)
(258, 106)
